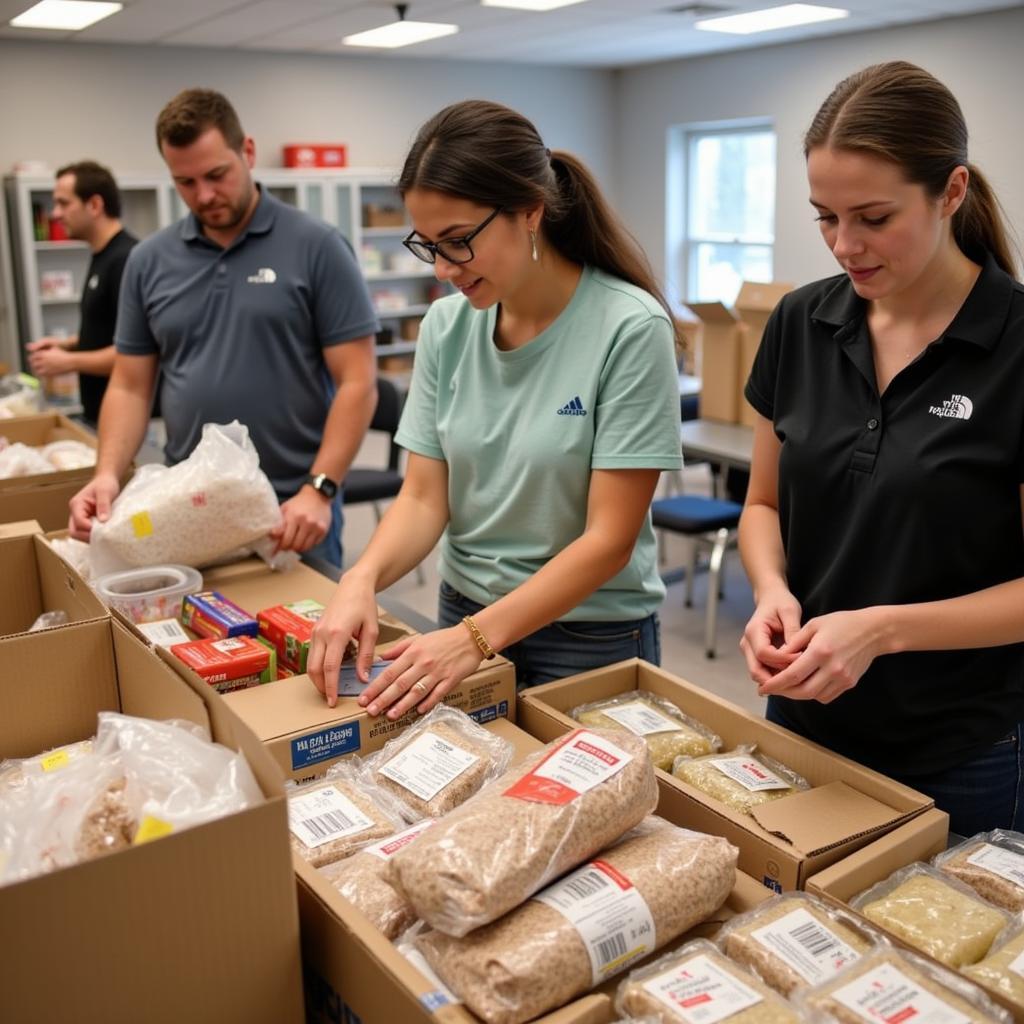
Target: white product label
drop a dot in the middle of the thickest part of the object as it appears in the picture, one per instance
(419, 961)
(164, 632)
(1017, 966)
(428, 764)
(324, 815)
(886, 994)
(750, 774)
(700, 992)
(806, 945)
(582, 762)
(387, 848)
(608, 912)
(229, 644)
(640, 718)
(1000, 862)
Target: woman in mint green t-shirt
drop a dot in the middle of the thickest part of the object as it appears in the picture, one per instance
(544, 405)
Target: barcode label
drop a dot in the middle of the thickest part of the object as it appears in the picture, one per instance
(806, 944)
(608, 913)
(323, 815)
(640, 718)
(428, 764)
(1000, 862)
(749, 773)
(164, 632)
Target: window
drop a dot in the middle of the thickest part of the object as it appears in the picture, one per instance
(724, 180)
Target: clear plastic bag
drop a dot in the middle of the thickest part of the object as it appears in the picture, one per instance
(646, 890)
(992, 864)
(894, 985)
(439, 763)
(795, 940)
(63, 455)
(668, 731)
(541, 818)
(20, 460)
(933, 913)
(19, 396)
(740, 778)
(333, 817)
(698, 973)
(217, 500)
(75, 553)
(1002, 970)
(15, 772)
(363, 880)
(49, 619)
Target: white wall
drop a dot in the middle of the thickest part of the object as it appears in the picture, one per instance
(978, 57)
(64, 102)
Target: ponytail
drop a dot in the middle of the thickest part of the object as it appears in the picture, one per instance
(979, 225)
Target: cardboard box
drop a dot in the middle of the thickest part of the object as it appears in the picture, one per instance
(36, 581)
(377, 216)
(785, 841)
(350, 968)
(198, 926)
(729, 341)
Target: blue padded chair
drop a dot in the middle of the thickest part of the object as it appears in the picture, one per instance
(708, 522)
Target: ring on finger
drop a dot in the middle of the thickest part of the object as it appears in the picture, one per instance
(421, 688)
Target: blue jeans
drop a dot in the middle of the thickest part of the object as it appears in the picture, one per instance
(563, 648)
(982, 794)
(329, 549)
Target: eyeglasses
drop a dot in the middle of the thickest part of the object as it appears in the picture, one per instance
(453, 250)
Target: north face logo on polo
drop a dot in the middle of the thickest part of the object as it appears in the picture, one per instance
(262, 276)
(957, 407)
(94, 282)
(573, 408)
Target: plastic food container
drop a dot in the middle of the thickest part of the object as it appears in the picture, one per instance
(145, 595)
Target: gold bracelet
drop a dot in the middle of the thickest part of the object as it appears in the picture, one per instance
(481, 641)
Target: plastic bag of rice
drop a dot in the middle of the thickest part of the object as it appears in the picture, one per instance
(215, 501)
(794, 940)
(933, 913)
(637, 895)
(333, 817)
(439, 762)
(668, 732)
(992, 864)
(890, 985)
(698, 978)
(1002, 970)
(546, 815)
(363, 880)
(739, 778)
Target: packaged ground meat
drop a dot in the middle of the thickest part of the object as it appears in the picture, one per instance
(633, 898)
(890, 985)
(668, 732)
(992, 864)
(697, 978)
(793, 941)
(1002, 970)
(541, 818)
(740, 778)
(934, 913)
(439, 762)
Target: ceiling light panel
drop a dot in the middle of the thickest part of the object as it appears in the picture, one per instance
(400, 33)
(65, 15)
(531, 5)
(771, 19)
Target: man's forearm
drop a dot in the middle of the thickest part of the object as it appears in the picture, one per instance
(124, 417)
(99, 363)
(347, 421)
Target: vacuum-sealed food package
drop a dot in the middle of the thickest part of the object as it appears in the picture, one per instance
(992, 864)
(541, 818)
(740, 778)
(669, 732)
(934, 913)
(439, 762)
(1002, 970)
(633, 898)
(698, 979)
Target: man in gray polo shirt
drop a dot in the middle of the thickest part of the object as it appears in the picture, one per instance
(245, 309)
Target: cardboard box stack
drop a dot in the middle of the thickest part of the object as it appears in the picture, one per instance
(730, 337)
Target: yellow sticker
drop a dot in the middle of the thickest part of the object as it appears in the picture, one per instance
(152, 828)
(53, 761)
(142, 524)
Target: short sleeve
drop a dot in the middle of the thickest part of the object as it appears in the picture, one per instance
(637, 414)
(132, 335)
(417, 431)
(760, 387)
(342, 308)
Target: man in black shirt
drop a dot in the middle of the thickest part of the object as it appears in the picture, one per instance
(87, 202)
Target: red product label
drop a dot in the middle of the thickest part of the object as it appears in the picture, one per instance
(603, 755)
(224, 660)
(616, 876)
(538, 788)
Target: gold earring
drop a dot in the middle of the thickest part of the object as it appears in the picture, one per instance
(533, 246)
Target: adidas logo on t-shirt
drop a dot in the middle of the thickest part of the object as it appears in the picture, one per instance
(573, 408)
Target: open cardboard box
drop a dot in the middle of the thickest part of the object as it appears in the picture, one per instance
(36, 580)
(351, 967)
(729, 341)
(199, 926)
(786, 840)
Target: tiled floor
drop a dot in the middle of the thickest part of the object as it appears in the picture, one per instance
(682, 629)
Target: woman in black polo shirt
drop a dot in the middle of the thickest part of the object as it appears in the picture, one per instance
(883, 525)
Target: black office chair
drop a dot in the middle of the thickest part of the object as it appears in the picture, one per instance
(368, 484)
(707, 522)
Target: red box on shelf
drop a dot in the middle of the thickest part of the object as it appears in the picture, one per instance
(333, 154)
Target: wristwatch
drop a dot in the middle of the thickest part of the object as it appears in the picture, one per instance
(323, 483)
